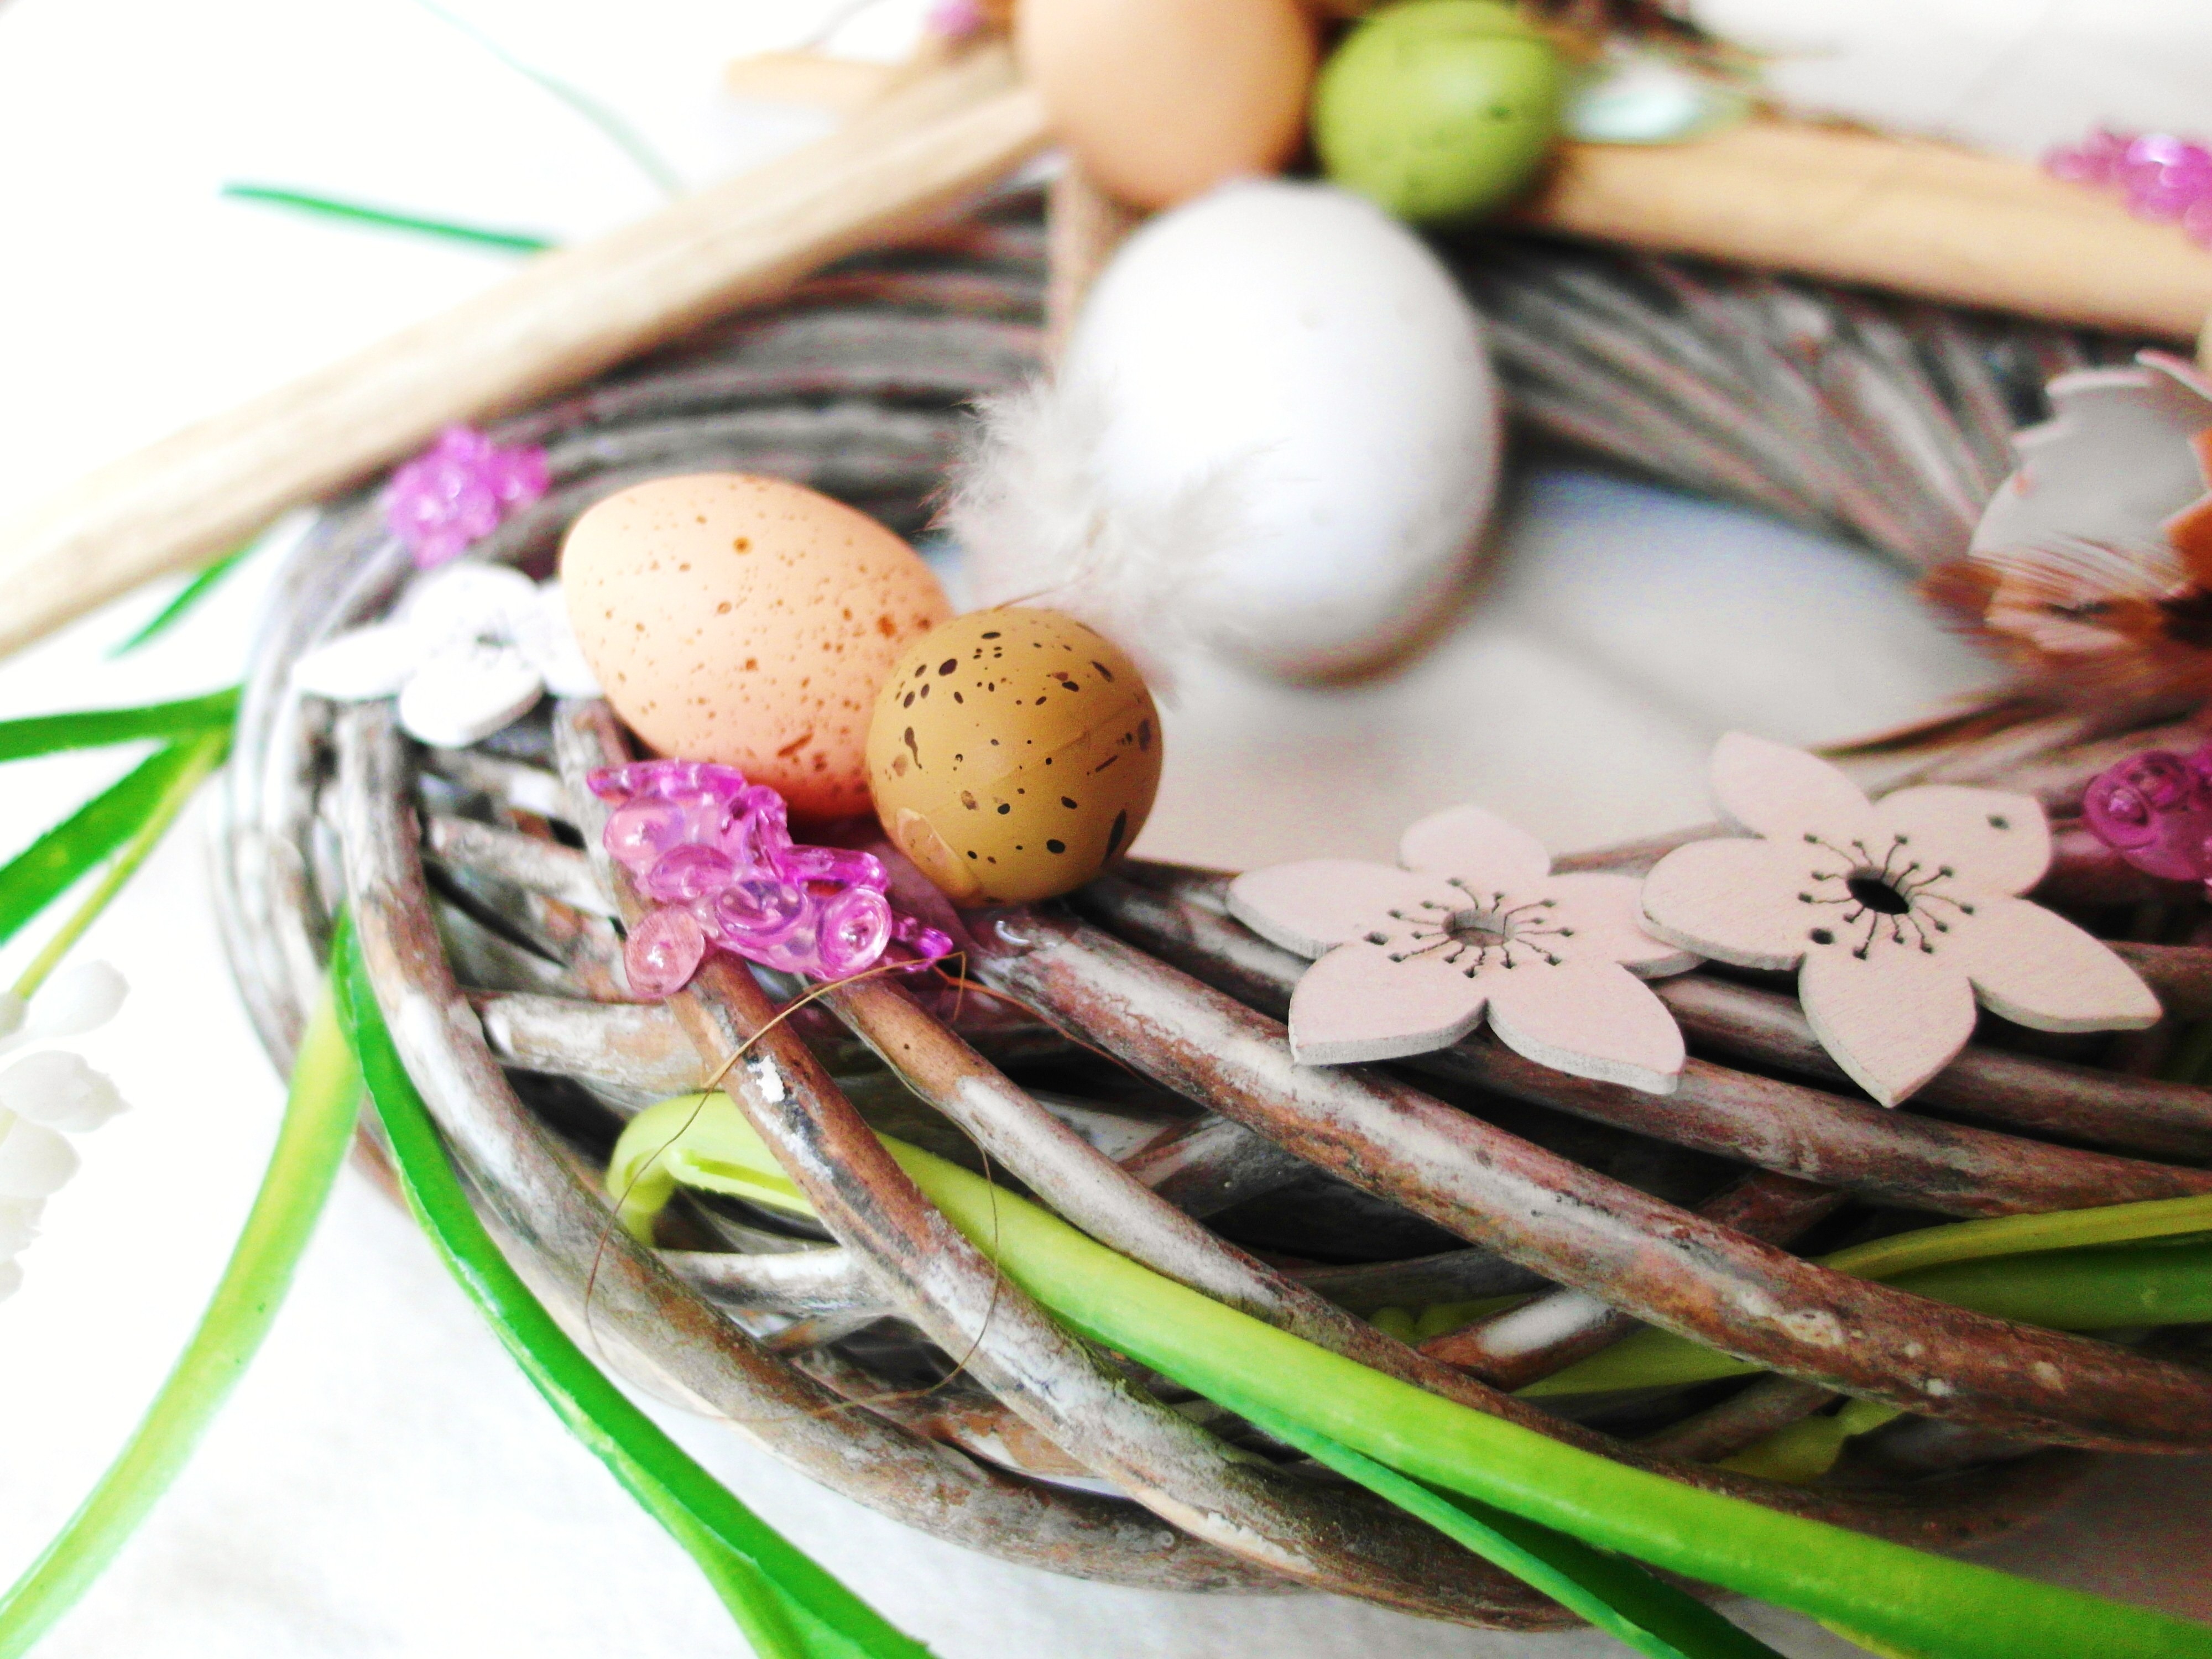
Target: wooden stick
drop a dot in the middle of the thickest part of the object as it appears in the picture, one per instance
(1910, 215)
(1918, 218)
(811, 79)
(565, 316)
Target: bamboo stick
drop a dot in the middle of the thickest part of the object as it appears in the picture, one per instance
(563, 316)
(1915, 216)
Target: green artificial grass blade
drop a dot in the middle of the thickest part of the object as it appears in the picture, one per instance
(2146, 1264)
(202, 755)
(611, 126)
(2020, 1235)
(360, 213)
(97, 729)
(1614, 1593)
(210, 578)
(52, 865)
(1922, 1603)
(311, 1145)
(787, 1605)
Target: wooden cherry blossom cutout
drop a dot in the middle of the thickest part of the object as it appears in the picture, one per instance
(1899, 915)
(2118, 465)
(1474, 926)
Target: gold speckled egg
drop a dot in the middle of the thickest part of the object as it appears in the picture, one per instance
(1014, 754)
(747, 621)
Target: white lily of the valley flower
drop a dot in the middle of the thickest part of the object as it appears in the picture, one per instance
(469, 651)
(45, 1093)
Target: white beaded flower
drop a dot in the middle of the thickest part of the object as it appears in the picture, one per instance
(1475, 926)
(469, 651)
(1898, 915)
(46, 1096)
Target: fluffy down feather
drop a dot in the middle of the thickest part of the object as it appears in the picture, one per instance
(1041, 526)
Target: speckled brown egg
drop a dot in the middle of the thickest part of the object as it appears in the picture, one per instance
(1014, 754)
(748, 621)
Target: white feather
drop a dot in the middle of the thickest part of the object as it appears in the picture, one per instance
(1041, 526)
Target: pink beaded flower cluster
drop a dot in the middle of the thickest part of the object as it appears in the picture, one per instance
(2154, 809)
(715, 856)
(458, 491)
(2163, 177)
(955, 20)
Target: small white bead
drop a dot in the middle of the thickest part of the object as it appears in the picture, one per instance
(35, 1161)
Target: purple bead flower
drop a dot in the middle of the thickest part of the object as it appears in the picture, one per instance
(457, 492)
(715, 856)
(2163, 177)
(2154, 809)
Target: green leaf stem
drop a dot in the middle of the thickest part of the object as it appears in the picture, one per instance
(310, 1144)
(200, 756)
(53, 863)
(1922, 1603)
(2073, 1270)
(361, 213)
(210, 578)
(612, 127)
(787, 1606)
(1614, 1593)
(97, 729)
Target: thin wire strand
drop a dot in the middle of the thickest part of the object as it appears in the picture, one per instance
(706, 1092)
(611, 126)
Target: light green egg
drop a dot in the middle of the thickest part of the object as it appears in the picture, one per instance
(1439, 110)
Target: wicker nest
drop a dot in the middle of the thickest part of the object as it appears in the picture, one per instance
(885, 1357)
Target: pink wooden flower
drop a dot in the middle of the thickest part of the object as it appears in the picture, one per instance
(1897, 916)
(1475, 923)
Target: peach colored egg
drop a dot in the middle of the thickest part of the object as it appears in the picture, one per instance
(748, 621)
(1162, 99)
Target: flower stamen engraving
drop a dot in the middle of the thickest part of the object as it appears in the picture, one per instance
(1898, 915)
(1474, 927)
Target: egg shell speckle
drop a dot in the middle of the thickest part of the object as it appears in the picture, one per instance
(748, 621)
(1014, 754)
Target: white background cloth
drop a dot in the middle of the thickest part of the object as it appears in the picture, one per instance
(384, 1481)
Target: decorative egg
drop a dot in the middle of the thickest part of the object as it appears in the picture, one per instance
(748, 621)
(1161, 100)
(1014, 754)
(1294, 346)
(1439, 110)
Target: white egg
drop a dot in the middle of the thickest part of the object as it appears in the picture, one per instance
(1296, 342)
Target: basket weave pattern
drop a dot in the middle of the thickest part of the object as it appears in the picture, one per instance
(887, 1359)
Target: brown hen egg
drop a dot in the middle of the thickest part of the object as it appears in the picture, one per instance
(1163, 100)
(748, 621)
(1014, 754)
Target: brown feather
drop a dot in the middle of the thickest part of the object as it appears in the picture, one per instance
(2087, 628)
